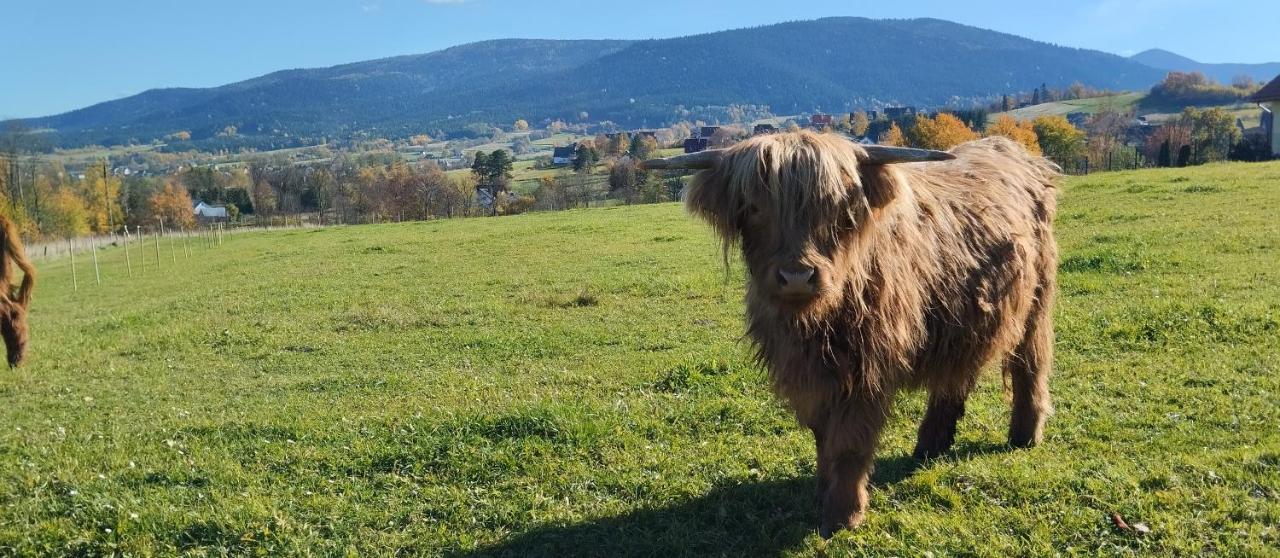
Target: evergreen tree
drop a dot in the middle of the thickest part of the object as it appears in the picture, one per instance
(585, 157)
(480, 166)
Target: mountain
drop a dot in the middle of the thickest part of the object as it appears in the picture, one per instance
(1223, 73)
(830, 64)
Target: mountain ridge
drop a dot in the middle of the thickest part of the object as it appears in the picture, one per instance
(832, 64)
(1162, 59)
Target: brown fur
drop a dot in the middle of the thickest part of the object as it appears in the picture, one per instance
(923, 274)
(13, 309)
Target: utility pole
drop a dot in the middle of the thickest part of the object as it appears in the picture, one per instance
(106, 196)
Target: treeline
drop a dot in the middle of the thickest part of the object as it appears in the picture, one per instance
(1201, 136)
(1195, 89)
(1110, 139)
(45, 201)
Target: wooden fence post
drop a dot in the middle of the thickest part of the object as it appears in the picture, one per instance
(97, 276)
(155, 233)
(71, 248)
(127, 262)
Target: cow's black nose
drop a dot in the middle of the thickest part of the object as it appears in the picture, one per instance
(798, 280)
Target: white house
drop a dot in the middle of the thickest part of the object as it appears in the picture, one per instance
(206, 212)
(1269, 99)
(563, 155)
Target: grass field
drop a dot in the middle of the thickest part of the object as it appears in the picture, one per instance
(1121, 102)
(576, 383)
(1248, 113)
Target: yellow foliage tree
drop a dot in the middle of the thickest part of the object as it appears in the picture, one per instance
(1023, 132)
(521, 125)
(892, 137)
(172, 207)
(859, 123)
(1059, 140)
(101, 194)
(65, 215)
(940, 132)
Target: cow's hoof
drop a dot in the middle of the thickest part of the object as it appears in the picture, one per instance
(830, 528)
(925, 454)
(1025, 437)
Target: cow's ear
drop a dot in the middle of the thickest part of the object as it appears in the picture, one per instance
(709, 197)
(880, 183)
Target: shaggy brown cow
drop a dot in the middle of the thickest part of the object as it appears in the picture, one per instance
(13, 309)
(869, 274)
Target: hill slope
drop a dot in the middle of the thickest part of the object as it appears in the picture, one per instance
(1223, 73)
(388, 390)
(831, 64)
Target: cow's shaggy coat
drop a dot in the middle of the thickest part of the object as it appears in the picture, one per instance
(13, 307)
(917, 276)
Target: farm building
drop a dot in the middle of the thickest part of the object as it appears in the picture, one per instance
(487, 195)
(705, 132)
(206, 213)
(694, 145)
(898, 113)
(820, 121)
(1269, 99)
(562, 155)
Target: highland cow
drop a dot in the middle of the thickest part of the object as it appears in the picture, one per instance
(873, 269)
(13, 308)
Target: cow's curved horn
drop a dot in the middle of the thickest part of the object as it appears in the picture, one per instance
(885, 155)
(700, 160)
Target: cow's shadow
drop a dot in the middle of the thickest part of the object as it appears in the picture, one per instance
(764, 518)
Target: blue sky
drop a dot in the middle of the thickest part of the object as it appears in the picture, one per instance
(58, 55)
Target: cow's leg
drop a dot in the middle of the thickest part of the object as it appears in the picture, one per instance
(938, 429)
(848, 453)
(821, 473)
(1028, 369)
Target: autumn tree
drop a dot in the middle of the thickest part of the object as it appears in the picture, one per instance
(892, 137)
(1022, 132)
(101, 194)
(171, 208)
(627, 179)
(1059, 140)
(65, 215)
(859, 123)
(1165, 142)
(520, 125)
(550, 194)
(619, 143)
(942, 132)
(726, 136)
(643, 147)
(1213, 133)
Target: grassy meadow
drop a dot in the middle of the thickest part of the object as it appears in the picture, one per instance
(577, 383)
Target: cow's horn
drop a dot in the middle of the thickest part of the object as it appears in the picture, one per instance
(700, 160)
(884, 155)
